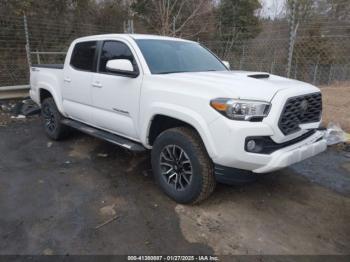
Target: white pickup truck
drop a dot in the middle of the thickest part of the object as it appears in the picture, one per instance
(203, 122)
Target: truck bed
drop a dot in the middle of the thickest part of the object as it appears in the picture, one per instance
(51, 66)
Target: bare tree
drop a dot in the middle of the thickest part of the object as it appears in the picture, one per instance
(184, 18)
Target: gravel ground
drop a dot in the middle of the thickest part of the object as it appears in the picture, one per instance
(56, 196)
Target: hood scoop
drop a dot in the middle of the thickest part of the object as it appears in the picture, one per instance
(259, 76)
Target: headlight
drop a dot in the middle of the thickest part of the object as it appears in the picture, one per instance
(237, 109)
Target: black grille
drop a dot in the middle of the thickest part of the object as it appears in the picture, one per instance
(300, 110)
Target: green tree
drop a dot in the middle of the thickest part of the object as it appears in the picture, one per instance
(237, 21)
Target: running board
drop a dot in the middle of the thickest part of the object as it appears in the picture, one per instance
(114, 139)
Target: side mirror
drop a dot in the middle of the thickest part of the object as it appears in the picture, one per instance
(227, 64)
(121, 66)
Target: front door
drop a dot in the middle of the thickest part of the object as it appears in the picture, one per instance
(116, 97)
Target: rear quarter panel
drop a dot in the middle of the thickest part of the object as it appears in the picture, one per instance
(47, 79)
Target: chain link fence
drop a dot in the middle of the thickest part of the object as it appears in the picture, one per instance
(320, 54)
(320, 50)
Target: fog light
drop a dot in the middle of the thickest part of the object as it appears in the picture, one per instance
(251, 145)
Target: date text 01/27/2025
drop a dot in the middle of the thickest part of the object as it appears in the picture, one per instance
(173, 258)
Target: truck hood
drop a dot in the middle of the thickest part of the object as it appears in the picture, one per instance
(236, 84)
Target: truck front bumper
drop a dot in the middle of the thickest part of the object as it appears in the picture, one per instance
(229, 141)
(286, 157)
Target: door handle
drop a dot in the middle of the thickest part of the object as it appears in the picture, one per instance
(97, 84)
(67, 80)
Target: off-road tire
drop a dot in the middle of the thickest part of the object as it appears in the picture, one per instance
(203, 180)
(49, 111)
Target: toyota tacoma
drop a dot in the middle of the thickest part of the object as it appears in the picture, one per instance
(202, 122)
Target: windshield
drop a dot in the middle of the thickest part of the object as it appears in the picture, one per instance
(167, 56)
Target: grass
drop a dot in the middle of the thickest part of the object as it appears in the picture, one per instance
(336, 105)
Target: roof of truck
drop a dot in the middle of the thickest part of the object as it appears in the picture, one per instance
(133, 36)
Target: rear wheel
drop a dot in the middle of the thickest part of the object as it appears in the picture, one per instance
(182, 167)
(51, 119)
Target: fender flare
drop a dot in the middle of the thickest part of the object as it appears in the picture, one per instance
(56, 97)
(184, 114)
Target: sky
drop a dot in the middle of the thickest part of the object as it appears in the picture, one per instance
(271, 8)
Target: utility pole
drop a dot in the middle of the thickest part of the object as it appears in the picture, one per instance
(131, 21)
(26, 34)
(242, 57)
(129, 26)
(174, 25)
(292, 35)
(316, 70)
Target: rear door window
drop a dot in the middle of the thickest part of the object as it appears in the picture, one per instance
(83, 56)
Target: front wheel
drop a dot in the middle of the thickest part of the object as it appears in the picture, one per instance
(51, 119)
(182, 167)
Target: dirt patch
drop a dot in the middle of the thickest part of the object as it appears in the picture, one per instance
(82, 148)
(336, 103)
(270, 217)
(108, 210)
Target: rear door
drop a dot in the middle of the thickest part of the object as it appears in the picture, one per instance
(78, 75)
(115, 97)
